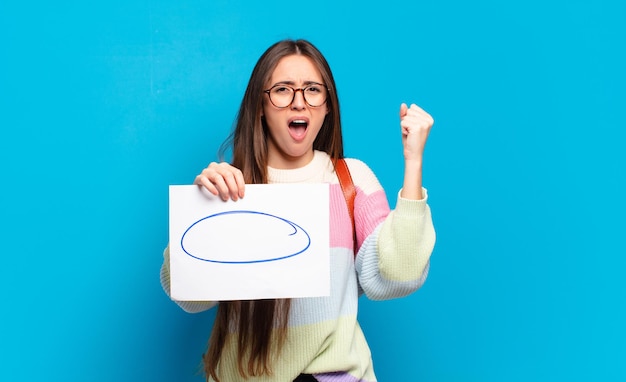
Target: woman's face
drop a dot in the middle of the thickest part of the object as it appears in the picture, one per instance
(292, 129)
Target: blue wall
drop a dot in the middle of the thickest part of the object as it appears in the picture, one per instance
(104, 104)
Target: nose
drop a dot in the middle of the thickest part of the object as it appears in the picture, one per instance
(298, 102)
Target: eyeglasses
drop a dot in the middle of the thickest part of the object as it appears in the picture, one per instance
(282, 95)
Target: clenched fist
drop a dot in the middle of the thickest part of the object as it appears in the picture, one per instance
(415, 125)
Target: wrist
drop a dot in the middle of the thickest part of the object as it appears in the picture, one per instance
(413, 164)
(412, 185)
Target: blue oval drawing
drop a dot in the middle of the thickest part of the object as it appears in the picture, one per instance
(280, 236)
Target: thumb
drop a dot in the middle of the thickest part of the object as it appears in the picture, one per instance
(403, 110)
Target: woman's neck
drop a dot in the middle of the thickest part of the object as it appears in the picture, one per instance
(313, 171)
(282, 161)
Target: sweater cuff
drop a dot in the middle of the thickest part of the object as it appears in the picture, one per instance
(411, 207)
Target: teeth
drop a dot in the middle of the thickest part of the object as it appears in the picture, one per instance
(299, 121)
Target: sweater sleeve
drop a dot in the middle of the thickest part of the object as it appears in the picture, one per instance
(394, 259)
(187, 306)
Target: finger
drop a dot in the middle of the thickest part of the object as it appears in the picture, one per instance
(419, 119)
(421, 112)
(230, 180)
(403, 110)
(221, 186)
(203, 181)
(241, 184)
(405, 126)
(414, 107)
(234, 180)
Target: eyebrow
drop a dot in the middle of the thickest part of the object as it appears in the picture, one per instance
(292, 83)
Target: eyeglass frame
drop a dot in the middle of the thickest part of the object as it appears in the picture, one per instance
(295, 90)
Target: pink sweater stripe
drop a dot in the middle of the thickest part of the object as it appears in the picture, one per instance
(372, 211)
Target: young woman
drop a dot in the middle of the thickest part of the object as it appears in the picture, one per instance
(289, 130)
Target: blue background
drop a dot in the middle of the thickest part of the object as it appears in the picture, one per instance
(104, 104)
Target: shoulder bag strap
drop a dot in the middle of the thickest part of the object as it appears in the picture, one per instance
(349, 192)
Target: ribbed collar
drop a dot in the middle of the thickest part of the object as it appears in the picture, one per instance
(313, 172)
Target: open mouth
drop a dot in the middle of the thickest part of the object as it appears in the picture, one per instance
(297, 128)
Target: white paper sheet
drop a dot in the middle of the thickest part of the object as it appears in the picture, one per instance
(273, 243)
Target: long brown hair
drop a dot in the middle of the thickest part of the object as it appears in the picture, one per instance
(258, 322)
